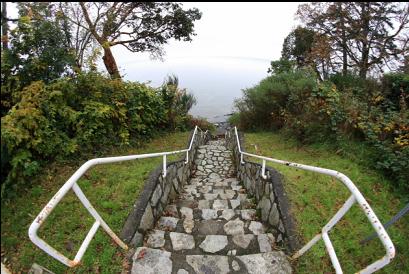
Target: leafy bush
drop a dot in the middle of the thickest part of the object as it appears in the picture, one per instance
(200, 122)
(73, 115)
(262, 106)
(368, 110)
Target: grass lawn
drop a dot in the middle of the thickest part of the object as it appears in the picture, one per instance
(315, 199)
(111, 188)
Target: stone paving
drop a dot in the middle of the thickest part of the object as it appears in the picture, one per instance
(212, 227)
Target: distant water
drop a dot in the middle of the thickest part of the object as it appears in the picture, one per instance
(215, 81)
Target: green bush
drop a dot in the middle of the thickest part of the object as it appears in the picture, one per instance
(344, 106)
(69, 116)
(262, 106)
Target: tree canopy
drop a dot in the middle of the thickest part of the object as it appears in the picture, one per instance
(138, 26)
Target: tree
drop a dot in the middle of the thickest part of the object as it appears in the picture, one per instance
(80, 39)
(138, 26)
(306, 48)
(364, 35)
(5, 26)
(297, 45)
(39, 49)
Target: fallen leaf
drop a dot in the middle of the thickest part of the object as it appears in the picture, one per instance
(141, 254)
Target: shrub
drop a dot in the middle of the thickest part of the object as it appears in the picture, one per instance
(72, 115)
(372, 111)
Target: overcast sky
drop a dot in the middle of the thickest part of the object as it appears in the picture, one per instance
(245, 30)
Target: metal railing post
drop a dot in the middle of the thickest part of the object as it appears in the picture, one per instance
(164, 166)
(263, 170)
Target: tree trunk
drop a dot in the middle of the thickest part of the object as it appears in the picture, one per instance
(364, 62)
(4, 25)
(343, 41)
(110, 63)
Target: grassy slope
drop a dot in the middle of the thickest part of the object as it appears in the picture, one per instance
(112, 189)
(315, 199)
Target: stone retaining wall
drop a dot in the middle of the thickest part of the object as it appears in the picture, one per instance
(269, 194)
(157, 191)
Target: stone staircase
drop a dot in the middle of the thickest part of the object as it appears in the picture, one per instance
(212, 227)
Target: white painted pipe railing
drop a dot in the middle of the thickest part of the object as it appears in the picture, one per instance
(99, 222)
(356, 196)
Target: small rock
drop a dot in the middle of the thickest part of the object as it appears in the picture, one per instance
(234, 265)
(232, 252)
(182, 271)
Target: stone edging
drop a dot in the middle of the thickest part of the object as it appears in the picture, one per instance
(157, 192)
(270, 196)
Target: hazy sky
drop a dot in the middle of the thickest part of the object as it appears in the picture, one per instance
(245, 30)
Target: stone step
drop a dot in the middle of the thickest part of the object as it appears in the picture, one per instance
(220, 244)
(185, 211)
(227, 223)
(149, 260)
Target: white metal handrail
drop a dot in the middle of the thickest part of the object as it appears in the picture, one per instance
(72, 184)
(356, 196)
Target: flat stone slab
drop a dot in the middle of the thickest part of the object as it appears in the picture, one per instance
(210, 196)
(186, 213)
(264, 243)
(204, 204)
(227, 214)
(270, 262)
(234, 203)
(150, 261)
(214, 243)
(208, 214)
(181, 241)
(220, 204)
(156, 238)
(234, 227)
(248, 214)
(188, 225)
(210, 227)
(168, 223)
(256, 227)
(243, 240)
(209, 264)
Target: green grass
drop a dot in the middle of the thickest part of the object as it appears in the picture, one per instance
(112, 189)
(315, 199)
